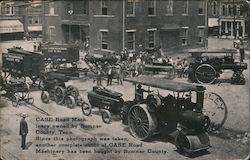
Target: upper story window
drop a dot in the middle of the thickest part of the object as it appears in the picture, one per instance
(84, 7)
(9, 9)
(185, 7)
(35, 20)
(151, 7)
(104, 39)
(104, 7)
(214, 8)
(151, 38)
(130, 7)
(131, 40)
(201, 34)
(241, 10)
(184, 36)
(223, 12)
(230, 10)
(201, 7)
(52, 33)
(51, 8)
(169, 7)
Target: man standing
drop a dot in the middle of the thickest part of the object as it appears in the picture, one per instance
(242, 51)
(110, 76)
(139, 93)
(23, 130)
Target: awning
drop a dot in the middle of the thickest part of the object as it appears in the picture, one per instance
(170, 27)
(35, 28)
(213, 22)
(10, 26)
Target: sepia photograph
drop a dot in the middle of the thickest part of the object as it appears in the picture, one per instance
(124, 79)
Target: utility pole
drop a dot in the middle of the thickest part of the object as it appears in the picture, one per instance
(206, 24)
(234, 23)
(123, 25)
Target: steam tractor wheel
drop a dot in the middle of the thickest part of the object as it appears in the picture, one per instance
(59, 94)
(45, 97)
(187, 144)
(142, 124)
(86, 109)
(205, 73)
(106, 116)
(73, 91)
(70, 101)
(15, 100)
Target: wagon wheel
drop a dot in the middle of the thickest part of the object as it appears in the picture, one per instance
(70, 101)
(86, 109)
(106, 116)
(59, 94)
(216, 109)
(29, 100)
(141, 123)
(205, 73)
(182, 143)
(15, 100)
(73, 91)
(45, 97)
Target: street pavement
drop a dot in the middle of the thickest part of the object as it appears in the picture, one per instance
(224, 145)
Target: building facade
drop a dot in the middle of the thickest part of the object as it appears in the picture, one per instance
(66, 21)
(20, 19)
(112, 25)
(228, 17)
(11, 26)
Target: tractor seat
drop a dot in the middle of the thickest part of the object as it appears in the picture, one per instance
(106, 92)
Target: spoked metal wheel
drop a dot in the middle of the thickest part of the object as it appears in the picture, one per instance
(45, 97)
(106, 116)
(73, 91)
(15, 100)
(59, 94)
(70, 101)
(216, 109)
(86, 109)
(205, 73)
(142, 124)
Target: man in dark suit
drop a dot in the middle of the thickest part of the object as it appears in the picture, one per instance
(23, 130)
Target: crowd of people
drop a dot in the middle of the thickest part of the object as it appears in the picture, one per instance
(131, 64)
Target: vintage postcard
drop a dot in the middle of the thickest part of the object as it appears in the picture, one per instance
(124, 79)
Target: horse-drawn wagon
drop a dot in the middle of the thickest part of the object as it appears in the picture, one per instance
(18, 63)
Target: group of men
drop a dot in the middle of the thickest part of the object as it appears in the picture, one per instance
(111, 71)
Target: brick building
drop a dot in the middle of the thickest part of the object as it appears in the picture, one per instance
(227, 18)
(117, 24)
(20, 18)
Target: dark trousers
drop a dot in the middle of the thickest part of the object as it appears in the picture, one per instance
(242, 55)
(109, 82)
(99, 81)
(23, 141)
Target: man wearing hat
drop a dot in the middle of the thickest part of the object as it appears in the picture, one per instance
(23, 130)
(139, 93)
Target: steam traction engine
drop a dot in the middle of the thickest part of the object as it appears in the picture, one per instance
(179, 112)
(53, 88)
(206, 69)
